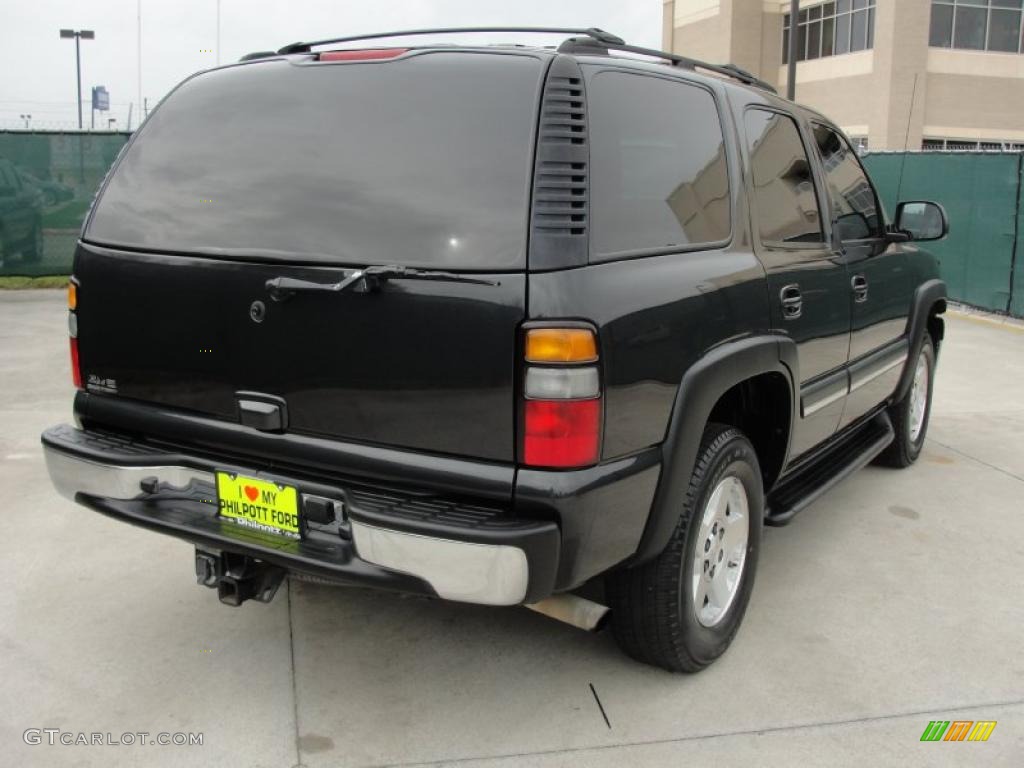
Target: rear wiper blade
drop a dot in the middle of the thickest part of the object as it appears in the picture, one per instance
(366, 280)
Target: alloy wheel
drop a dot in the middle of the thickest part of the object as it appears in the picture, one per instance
(720, 551)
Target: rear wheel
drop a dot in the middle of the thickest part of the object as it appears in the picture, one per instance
(910, 415)
(681, 610)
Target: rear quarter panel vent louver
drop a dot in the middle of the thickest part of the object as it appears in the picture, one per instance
(560, 216)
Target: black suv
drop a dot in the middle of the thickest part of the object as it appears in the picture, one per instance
(489, 322)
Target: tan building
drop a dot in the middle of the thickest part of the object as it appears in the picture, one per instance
(892, 73)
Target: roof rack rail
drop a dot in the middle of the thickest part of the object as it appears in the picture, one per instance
(258, 55)
(597, 40)
(593, 32)
(727, 70)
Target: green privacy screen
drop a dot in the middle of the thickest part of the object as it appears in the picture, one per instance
(47, 181)
(1017, 290)
(982, 196)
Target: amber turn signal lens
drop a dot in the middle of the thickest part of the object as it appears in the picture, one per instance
(561, 345)
(72, 296)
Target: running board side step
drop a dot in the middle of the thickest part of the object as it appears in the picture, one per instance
(853, 452)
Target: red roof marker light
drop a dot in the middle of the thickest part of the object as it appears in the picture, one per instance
(365, 54)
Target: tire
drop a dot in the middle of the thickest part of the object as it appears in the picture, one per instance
(654, 607)
(911, 427)
(33, 250)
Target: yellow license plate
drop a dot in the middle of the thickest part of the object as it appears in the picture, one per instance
(258, 504)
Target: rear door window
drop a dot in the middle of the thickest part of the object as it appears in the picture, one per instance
(423, 161)
(786, 206)
(659, 176)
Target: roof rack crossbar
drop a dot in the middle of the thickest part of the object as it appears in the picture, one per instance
(598, 34)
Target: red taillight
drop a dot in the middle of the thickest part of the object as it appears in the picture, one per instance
(561, 433)
(367, 54)
(76, 371)
(562, 412)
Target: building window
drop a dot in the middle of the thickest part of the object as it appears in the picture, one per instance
(969, 145)
(831, 29)
(977, 25)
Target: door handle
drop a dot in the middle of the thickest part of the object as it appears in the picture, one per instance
(859, 283)
(792, 302)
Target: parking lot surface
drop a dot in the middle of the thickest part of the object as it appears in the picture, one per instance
(896, 599)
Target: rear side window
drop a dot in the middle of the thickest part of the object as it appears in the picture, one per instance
(659, 177)
(423, 161)
(853, 199)
(785, 204)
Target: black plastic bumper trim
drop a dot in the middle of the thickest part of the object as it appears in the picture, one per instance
(334, 562)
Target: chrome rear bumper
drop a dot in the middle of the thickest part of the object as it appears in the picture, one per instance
(490, 560)
(490, 574)
(72, 475)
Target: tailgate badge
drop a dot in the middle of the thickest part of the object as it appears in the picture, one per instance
(96, 383)
(257, 311)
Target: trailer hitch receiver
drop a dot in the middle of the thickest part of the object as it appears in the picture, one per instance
(237, 578)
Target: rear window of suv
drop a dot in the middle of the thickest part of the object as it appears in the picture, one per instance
(423, 161)
(659, 174)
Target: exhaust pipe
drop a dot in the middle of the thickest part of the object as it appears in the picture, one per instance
(573, 609)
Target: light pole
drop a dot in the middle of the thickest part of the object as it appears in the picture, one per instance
(138, 42)
(26, 118)
(794, 30)
(78, 34)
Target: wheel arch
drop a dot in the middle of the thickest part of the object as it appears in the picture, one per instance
(717, 384)
(928, 303)
(761, 408)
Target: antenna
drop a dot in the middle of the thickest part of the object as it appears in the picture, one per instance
(906, 139)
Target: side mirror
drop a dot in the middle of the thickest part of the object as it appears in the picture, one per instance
(922, 220)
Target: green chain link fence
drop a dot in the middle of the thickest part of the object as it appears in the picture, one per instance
(983, 257)
(47, 181)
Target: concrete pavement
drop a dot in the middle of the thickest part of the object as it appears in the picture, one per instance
(895, 600)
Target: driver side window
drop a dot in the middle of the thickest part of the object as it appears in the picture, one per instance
(853, 199)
